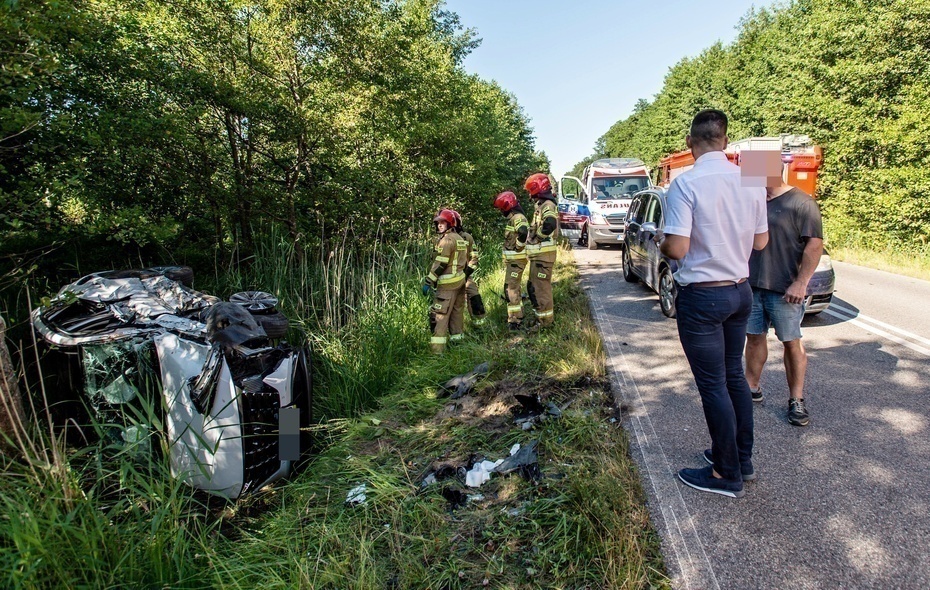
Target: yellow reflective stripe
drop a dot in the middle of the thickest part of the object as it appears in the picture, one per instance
(450, 278)
(431, 277)
(549, 213)
(509, 228)
(511, 255)
(438, 340)
(545, 314)
(513, 308)
(442, 259)
(551, 248)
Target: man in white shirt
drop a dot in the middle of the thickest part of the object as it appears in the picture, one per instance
(712, 225)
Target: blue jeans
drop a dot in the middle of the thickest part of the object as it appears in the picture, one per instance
(712, 329)
(769, 309)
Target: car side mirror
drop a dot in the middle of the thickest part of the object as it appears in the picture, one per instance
(650, 226)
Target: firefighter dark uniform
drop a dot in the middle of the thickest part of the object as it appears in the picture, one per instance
(472, 296)
(447, 277)
(542, 247)
(516, 233)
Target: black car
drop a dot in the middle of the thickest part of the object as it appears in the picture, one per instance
(642, 260)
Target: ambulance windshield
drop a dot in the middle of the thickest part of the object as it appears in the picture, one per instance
(607, 187)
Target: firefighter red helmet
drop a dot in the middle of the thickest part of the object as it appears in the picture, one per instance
(458, 219)
(447, 215)
(505, 201)
(537, 183)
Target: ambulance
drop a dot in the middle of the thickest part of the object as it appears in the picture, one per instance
(595, 214)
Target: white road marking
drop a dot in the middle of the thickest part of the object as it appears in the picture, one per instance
(851, 317)
(694, 566)
(856, 314)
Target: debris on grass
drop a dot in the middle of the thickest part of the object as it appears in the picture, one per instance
(524, 459)
(480, 473)
(531, 411)
(356, 495)
(459, 386)
(439, 471)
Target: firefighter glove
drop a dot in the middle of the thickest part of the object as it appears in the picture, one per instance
(426, 290)
(468, 271)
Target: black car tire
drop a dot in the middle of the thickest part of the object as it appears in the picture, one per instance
(256, 302)
(628, 274)
(181, 274)
(668, 292)
(592, 245)
(275, 324)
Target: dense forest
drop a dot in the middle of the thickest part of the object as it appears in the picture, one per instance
(142, 131)
(852, 74)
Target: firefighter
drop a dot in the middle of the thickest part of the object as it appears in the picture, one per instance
(541, 247)
(472, 296)
(447, 278)
(516, 233)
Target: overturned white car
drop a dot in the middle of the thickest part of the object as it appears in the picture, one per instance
(230, 398)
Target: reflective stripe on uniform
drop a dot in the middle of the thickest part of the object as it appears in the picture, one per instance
(442, 259)
(431, 277)
(514, 255)
(545, 314)
(514, 308)
(438, 339)
(450, 278)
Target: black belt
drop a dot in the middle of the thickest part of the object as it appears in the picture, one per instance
(717, 283)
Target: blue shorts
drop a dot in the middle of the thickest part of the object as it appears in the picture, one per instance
(770, 309)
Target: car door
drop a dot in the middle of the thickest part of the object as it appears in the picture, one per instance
(632, 239)
(652, 223)
(573, 207)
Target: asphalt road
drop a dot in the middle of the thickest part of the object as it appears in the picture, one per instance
(841, 503)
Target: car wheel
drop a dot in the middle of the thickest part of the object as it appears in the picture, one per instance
(256, 302)
(668, 291)
(592, 245)
(275, 324)
(628, 273)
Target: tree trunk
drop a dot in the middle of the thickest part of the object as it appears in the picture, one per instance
(11, 402)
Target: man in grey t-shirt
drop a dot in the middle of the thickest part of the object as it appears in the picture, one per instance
(779, 275)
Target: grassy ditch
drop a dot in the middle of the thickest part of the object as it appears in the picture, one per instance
(94, 517)
(582, 524)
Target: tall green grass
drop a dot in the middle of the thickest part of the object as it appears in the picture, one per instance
(360, 312)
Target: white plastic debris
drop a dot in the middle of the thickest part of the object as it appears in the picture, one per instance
(480, 473)
(356, 495)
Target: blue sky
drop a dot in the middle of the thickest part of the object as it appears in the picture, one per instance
(578, 67)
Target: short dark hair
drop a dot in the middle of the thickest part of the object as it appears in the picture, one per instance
(709, 127)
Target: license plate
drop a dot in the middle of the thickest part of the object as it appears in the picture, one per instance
(620, 238)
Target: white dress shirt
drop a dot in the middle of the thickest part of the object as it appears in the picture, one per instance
(708, 205)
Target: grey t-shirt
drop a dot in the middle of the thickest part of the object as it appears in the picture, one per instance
(793, 217)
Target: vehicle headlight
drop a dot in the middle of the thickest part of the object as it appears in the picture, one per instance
(825, 263)
(598, 219)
